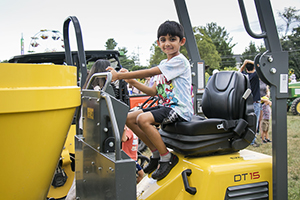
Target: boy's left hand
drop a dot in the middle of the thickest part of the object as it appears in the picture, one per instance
(123, 70)
(113, 72)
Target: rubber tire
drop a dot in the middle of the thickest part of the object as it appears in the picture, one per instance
(142, 146)
(143, 160)
(295, 107)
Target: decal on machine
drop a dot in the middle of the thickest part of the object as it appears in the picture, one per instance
(246, 176)
(90, 113)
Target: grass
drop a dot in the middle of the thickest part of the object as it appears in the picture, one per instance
(293, 144)
(293, 140)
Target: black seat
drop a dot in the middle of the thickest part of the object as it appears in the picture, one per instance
(229, 123)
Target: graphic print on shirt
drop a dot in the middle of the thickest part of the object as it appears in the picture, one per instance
(165, 91)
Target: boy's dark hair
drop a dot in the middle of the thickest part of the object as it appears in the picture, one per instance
(249, 66)
(172, 28)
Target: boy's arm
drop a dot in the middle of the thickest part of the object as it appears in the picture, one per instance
(134, 74)
(151, 91)
(124, 74)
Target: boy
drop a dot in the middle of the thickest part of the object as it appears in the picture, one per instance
(174, 76)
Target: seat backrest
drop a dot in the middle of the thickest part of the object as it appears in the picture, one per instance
(230, 121)
(223, 95)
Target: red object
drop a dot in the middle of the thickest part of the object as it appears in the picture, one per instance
(139, 100)
(130, 147)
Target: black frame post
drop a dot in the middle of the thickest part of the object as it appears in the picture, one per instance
(198, 65)
(272, 68)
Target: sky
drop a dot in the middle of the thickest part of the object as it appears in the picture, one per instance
(132, 23)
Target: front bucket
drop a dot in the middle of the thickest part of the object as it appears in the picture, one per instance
(37, 104)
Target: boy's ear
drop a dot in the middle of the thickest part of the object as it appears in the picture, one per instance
(183, 40)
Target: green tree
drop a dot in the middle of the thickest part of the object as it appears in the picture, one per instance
(137, 67)
(289, 15)
(205, 46)
(292, 44)
(125, 60)
(207, 50)
(110, 44)
(251, 51)
(4, 61)
(222, 41)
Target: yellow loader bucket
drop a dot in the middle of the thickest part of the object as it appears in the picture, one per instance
(37, 104)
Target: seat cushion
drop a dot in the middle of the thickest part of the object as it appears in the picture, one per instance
(197, 126)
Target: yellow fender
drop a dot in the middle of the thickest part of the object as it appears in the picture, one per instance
(211, 177)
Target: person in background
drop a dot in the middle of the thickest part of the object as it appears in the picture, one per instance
(265, 122)
(213, 73)
(255, 89)
(264, 91)
(130, 146)
(147, 81)
(98, 67)
(292, 78)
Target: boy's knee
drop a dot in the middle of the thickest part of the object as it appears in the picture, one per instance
(142, 120)
(131, 117)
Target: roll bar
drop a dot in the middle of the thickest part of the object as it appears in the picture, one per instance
(272, 68)
(81, 53)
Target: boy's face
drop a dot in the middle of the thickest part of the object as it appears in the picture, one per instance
(170, 45)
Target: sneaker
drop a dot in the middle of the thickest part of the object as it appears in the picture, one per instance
(268, 140)
(255, 144)
(265, 141)
(151, 166)
(164, 168)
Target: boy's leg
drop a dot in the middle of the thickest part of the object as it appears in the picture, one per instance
(131, 122)
(146, 121)
(141, 122)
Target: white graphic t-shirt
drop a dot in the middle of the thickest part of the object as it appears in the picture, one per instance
(174, 85)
